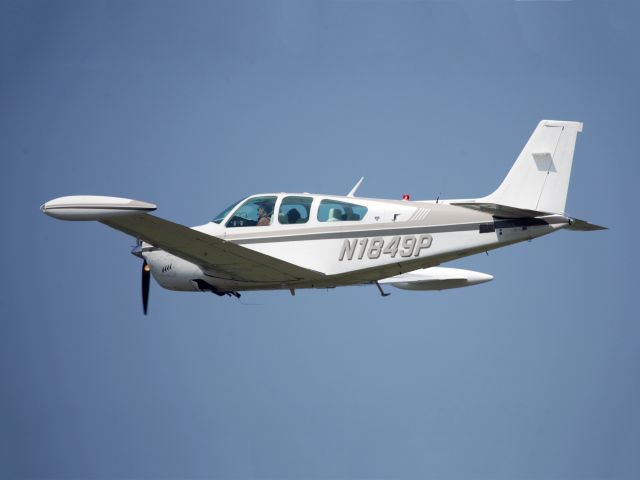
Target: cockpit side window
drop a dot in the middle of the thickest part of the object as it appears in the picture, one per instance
(221, 216)
(335, 211)
(294, 210)
(255, 212)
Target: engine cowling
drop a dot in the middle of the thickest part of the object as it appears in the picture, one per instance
(173, 273)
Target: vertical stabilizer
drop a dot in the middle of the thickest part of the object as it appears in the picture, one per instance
(539, 179)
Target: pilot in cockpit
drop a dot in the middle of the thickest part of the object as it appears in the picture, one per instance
(264, 215)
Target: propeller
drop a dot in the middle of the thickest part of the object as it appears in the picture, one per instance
(146, 277)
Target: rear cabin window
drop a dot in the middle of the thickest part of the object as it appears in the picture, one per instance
(294, 210)
(334, 211)
(255, 212)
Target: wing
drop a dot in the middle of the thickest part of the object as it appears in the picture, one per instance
(209, 252)
(212, 254)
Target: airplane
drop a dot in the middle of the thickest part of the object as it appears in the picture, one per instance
(291, 241)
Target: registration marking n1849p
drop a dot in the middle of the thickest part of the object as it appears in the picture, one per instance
(405, 246)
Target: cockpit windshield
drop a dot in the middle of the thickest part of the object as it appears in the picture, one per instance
(218, 218)
(255, 212)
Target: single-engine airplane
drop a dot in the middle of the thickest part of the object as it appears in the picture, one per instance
(291, 241)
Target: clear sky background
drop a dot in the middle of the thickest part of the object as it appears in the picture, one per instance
(192, 105)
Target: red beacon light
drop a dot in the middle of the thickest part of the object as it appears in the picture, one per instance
(406, 197)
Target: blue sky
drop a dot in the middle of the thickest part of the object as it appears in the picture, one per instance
(192, 105)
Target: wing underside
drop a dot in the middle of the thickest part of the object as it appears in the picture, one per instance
(214, 255)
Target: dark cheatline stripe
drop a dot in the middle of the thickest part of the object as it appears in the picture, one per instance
(511, 223)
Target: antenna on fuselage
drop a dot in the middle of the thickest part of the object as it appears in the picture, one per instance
(352, 193)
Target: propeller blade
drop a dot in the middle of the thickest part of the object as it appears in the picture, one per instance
(146, 277)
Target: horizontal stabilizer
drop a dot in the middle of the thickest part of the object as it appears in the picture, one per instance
(583, 226)
(502, 211)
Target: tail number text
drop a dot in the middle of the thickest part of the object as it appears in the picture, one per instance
(405, 246)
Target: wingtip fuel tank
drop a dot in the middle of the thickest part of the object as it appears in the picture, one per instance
(93, 207)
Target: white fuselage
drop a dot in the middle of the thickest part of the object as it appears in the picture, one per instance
(394, 237)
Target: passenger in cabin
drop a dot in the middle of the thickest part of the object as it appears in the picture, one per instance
(293, 215)
(335, 215)
(349, 215)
